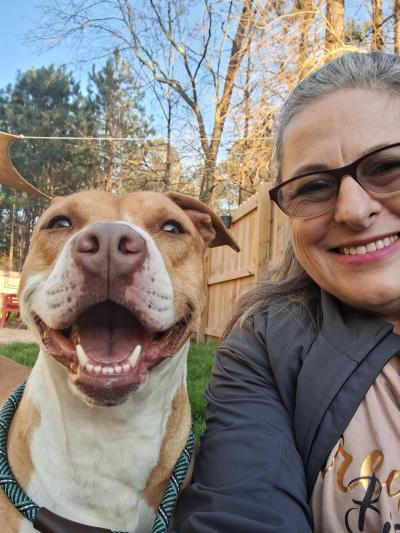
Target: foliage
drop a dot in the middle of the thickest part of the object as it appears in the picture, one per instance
(44, 101)
(48, 102)
(199, 368)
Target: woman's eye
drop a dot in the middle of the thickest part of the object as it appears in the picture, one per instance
(385, 167)
(172, 227)
(313, 187)
(59, 222)
(317, 187)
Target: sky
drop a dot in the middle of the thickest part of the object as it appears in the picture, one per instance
(17, 20)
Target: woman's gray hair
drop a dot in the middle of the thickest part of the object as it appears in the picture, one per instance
(374, 70)
(289, 285)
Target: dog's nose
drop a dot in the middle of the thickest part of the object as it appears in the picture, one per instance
(109, 249)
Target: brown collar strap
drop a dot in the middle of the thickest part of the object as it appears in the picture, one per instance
(48, 522)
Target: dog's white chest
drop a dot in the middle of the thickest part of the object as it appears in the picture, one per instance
(96, 474)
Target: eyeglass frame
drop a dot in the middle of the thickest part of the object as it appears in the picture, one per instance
(338, 173)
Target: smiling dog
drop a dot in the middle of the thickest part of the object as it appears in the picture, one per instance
(113, 287)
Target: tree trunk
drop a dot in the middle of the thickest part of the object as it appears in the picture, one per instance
(28, 221)
(306, 21)
(244, 169)
(168, 163)
(334, 34)
(12, 240)
(208, 181)
(377, 25)
(238, 51)
(397, 27)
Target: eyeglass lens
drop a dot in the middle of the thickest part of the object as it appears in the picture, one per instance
(316, 193)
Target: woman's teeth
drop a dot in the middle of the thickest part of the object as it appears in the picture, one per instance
(370, 247)
(107, 369)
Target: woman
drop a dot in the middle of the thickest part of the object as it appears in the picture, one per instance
(302, 430)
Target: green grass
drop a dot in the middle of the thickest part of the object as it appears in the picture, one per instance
(199, 368)
(22, 352)
(201, 357)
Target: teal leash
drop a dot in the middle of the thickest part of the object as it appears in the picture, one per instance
(21, 501)
(8, 483)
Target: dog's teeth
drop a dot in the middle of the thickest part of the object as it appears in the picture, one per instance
(133, 358)
(83, 358)
(97, 369)
(126, 367)
(118, 369)
(104, 370)
(110, 370)
(89, 368)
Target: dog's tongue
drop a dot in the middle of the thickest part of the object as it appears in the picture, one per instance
(109, 333)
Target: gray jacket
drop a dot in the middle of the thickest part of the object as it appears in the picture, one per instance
(280, 397)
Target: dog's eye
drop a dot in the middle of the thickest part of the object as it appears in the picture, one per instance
(172, 227)
(59, 222)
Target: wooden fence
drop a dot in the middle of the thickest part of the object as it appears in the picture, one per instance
(260, 229)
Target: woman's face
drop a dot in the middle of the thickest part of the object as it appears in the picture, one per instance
(334, 131)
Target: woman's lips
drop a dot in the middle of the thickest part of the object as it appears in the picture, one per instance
(368, 251)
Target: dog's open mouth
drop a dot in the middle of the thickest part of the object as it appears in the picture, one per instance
(108, 350)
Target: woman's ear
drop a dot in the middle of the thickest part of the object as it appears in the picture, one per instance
(208, 223)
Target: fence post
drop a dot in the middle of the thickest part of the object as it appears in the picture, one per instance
(263, 230)
(201, 332)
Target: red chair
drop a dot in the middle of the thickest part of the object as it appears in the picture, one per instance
(10, 305)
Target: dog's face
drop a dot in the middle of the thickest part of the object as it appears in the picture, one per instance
(114, 284)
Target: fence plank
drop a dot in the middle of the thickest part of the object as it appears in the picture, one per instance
(228, 276)
(201, 335)
(263, 229)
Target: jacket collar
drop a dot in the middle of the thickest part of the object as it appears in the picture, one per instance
(346, 338)
(351, 331)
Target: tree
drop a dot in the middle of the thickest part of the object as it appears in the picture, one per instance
(209, 40)
(305, 9)
(48, 102)
(396, 10)
(43, 102)
(377, 25)
(119, 114)
(334, 33)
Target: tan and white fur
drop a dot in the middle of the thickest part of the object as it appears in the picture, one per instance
(99, 429)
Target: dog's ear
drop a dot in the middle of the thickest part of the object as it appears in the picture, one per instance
(208, 223)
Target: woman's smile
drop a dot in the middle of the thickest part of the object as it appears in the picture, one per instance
(368, 247)
(363, 252)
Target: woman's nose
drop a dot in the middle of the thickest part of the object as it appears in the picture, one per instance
(355, 207)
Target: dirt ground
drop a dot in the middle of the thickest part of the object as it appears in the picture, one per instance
(15, 334)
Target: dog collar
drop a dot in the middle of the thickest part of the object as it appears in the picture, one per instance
(47, 522)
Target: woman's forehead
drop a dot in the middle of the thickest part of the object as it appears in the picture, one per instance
(335, 129)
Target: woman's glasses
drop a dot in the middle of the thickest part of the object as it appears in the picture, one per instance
(314, 193)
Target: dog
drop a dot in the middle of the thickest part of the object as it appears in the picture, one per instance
(113, 287)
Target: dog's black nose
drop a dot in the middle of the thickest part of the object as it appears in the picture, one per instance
(109, 249)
